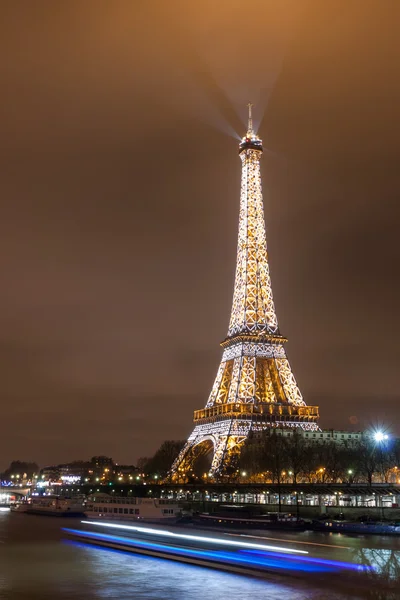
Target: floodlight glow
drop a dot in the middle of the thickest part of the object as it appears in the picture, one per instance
(379, 436)
(196, 538)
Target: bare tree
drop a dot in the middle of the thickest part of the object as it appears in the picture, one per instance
(297, 450)
(161, 462)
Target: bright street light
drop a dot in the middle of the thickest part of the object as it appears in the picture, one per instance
(379, 436)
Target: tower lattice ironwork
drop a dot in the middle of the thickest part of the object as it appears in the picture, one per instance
(254, 387)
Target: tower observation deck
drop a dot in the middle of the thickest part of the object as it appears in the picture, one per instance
(254, 388)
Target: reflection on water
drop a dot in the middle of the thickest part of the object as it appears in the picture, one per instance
(75, 571)
(36, 564)
(383, 563)
(383, 571)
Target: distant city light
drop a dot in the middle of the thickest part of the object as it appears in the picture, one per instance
(43, 483)
(71, 478)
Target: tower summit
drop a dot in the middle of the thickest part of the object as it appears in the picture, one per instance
(254, 388)
(250, 140)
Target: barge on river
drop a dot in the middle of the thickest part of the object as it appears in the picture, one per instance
(364, 526)
(129, 508)
(51, 506)
(240, 518)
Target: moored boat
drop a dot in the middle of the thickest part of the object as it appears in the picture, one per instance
(55, 506)
(364, 525)
(19, 507)
(105, 506)
(247, 520)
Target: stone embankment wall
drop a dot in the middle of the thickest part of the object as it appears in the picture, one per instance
(306, 512)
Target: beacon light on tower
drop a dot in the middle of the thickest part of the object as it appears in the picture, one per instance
(251, 139)
(254, 388)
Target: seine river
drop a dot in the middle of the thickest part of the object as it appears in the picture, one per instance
(37, 563)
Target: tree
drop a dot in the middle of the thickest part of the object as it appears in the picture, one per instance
(396, 453)
(275, 457)
(298, 450)
(162, 460)
(21, 469)
(142, 462)
(367, 459)
(250, 460)
(333, 462)
(266, 453)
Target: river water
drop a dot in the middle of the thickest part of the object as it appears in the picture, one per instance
(38, 563)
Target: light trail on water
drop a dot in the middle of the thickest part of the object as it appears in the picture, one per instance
(261, 537)
(195, 538)
(252, 558)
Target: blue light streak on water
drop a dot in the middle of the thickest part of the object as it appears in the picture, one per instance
(195, 538)
(244, 558)
(323, 561)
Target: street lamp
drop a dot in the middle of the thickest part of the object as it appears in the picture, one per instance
(379, 436)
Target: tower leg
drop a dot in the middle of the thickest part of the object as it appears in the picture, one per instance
(226, 438)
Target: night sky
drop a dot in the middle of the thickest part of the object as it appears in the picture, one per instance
(120, 196)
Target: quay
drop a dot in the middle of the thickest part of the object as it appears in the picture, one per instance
(306, 500)
(378, 500)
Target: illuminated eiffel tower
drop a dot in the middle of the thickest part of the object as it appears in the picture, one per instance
(254, 388)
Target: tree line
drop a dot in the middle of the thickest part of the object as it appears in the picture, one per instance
(272, 457)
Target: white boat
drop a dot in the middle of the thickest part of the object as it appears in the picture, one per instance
(55, 506)
(104, 506)
(19, 506)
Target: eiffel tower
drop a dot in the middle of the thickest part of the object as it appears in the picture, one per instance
(254, 388)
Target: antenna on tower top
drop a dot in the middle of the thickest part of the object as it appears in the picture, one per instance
(250, 120)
